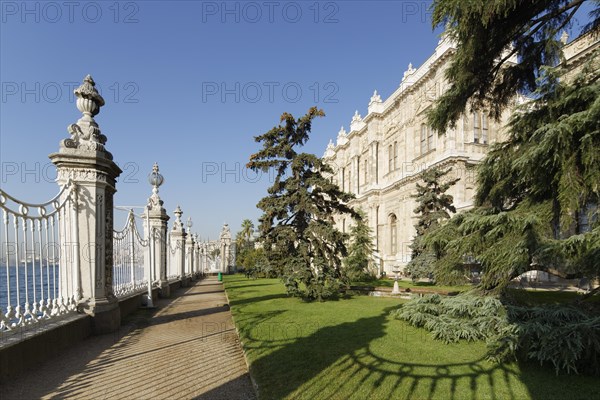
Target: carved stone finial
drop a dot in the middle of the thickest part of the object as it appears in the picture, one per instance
(342, 137)
(178, 225)
(409, 71)
(376, 98)
(357, 122)
(225, 233)
(89, 100)
(330, 151)
(564, 38)
(85, 133)
(156, 180)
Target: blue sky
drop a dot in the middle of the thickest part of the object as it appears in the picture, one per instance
(188, 84)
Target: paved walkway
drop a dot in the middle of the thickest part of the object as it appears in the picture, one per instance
(187, 349)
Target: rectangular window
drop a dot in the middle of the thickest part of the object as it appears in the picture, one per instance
(390, 158)
(358, 175)
(344, 179)
(423, 139)
(376, 162)
(484, 128)
(366, 165)
(395, 155)
(430, 139)
(476, 127)
(349, 180)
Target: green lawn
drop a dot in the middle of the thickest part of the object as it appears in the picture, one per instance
(352, 349)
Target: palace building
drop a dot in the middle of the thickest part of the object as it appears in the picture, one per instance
(381, 157)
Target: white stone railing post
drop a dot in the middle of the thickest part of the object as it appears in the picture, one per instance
(225, 239)
(189, 248)
(197, 259)
(157, 225)
(84, 160)
(178, 236)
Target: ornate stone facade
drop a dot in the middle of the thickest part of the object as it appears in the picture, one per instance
(380, 159)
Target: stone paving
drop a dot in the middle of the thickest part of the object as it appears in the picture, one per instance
(187, 348)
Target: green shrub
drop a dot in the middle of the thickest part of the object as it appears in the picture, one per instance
(561, 335)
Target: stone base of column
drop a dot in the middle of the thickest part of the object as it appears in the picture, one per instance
(186, 281)
(164, 290)
(106, 316)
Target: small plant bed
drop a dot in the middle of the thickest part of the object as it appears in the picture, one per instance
(353, 348)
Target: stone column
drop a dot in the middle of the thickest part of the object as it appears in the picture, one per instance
(157, 226)
(189, 250)
(225, 239)
(198, 271)
(178, 237)
(85, 162)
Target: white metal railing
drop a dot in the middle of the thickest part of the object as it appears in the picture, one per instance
(36, 283)
(129, 253)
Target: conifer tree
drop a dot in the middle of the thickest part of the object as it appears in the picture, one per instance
(297, 228)
(487, 34)
(537, 199)
(538, 194)
(360, 251)
(434, 206)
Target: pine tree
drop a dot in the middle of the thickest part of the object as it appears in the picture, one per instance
(360, 251)
(487, 34)
(538, 194)
(434, 206)
(297, 228)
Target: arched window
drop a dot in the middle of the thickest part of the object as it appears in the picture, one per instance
(393, 234)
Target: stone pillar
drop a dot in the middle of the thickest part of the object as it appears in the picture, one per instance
(157, 226)
(189, 250)
(85, 162)
(197, 258)
(178, 237)
(225, 241)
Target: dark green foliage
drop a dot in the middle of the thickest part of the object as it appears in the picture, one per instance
(560, 335)
(297, 228)
(244, 236)
(434, 206)
(480, 73)
(255, 263)
(360, 252)
(533, 191)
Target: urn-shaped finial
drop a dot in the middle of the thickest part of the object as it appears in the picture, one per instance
(178, 214)
(89, 100)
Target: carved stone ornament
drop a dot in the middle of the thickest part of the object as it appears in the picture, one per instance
(178, 225)
(409, 71)
(82, 174)
(85, 133)
(330, 151)
(225, 233)
(342, 137)
(156, 179)
(376, 98)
